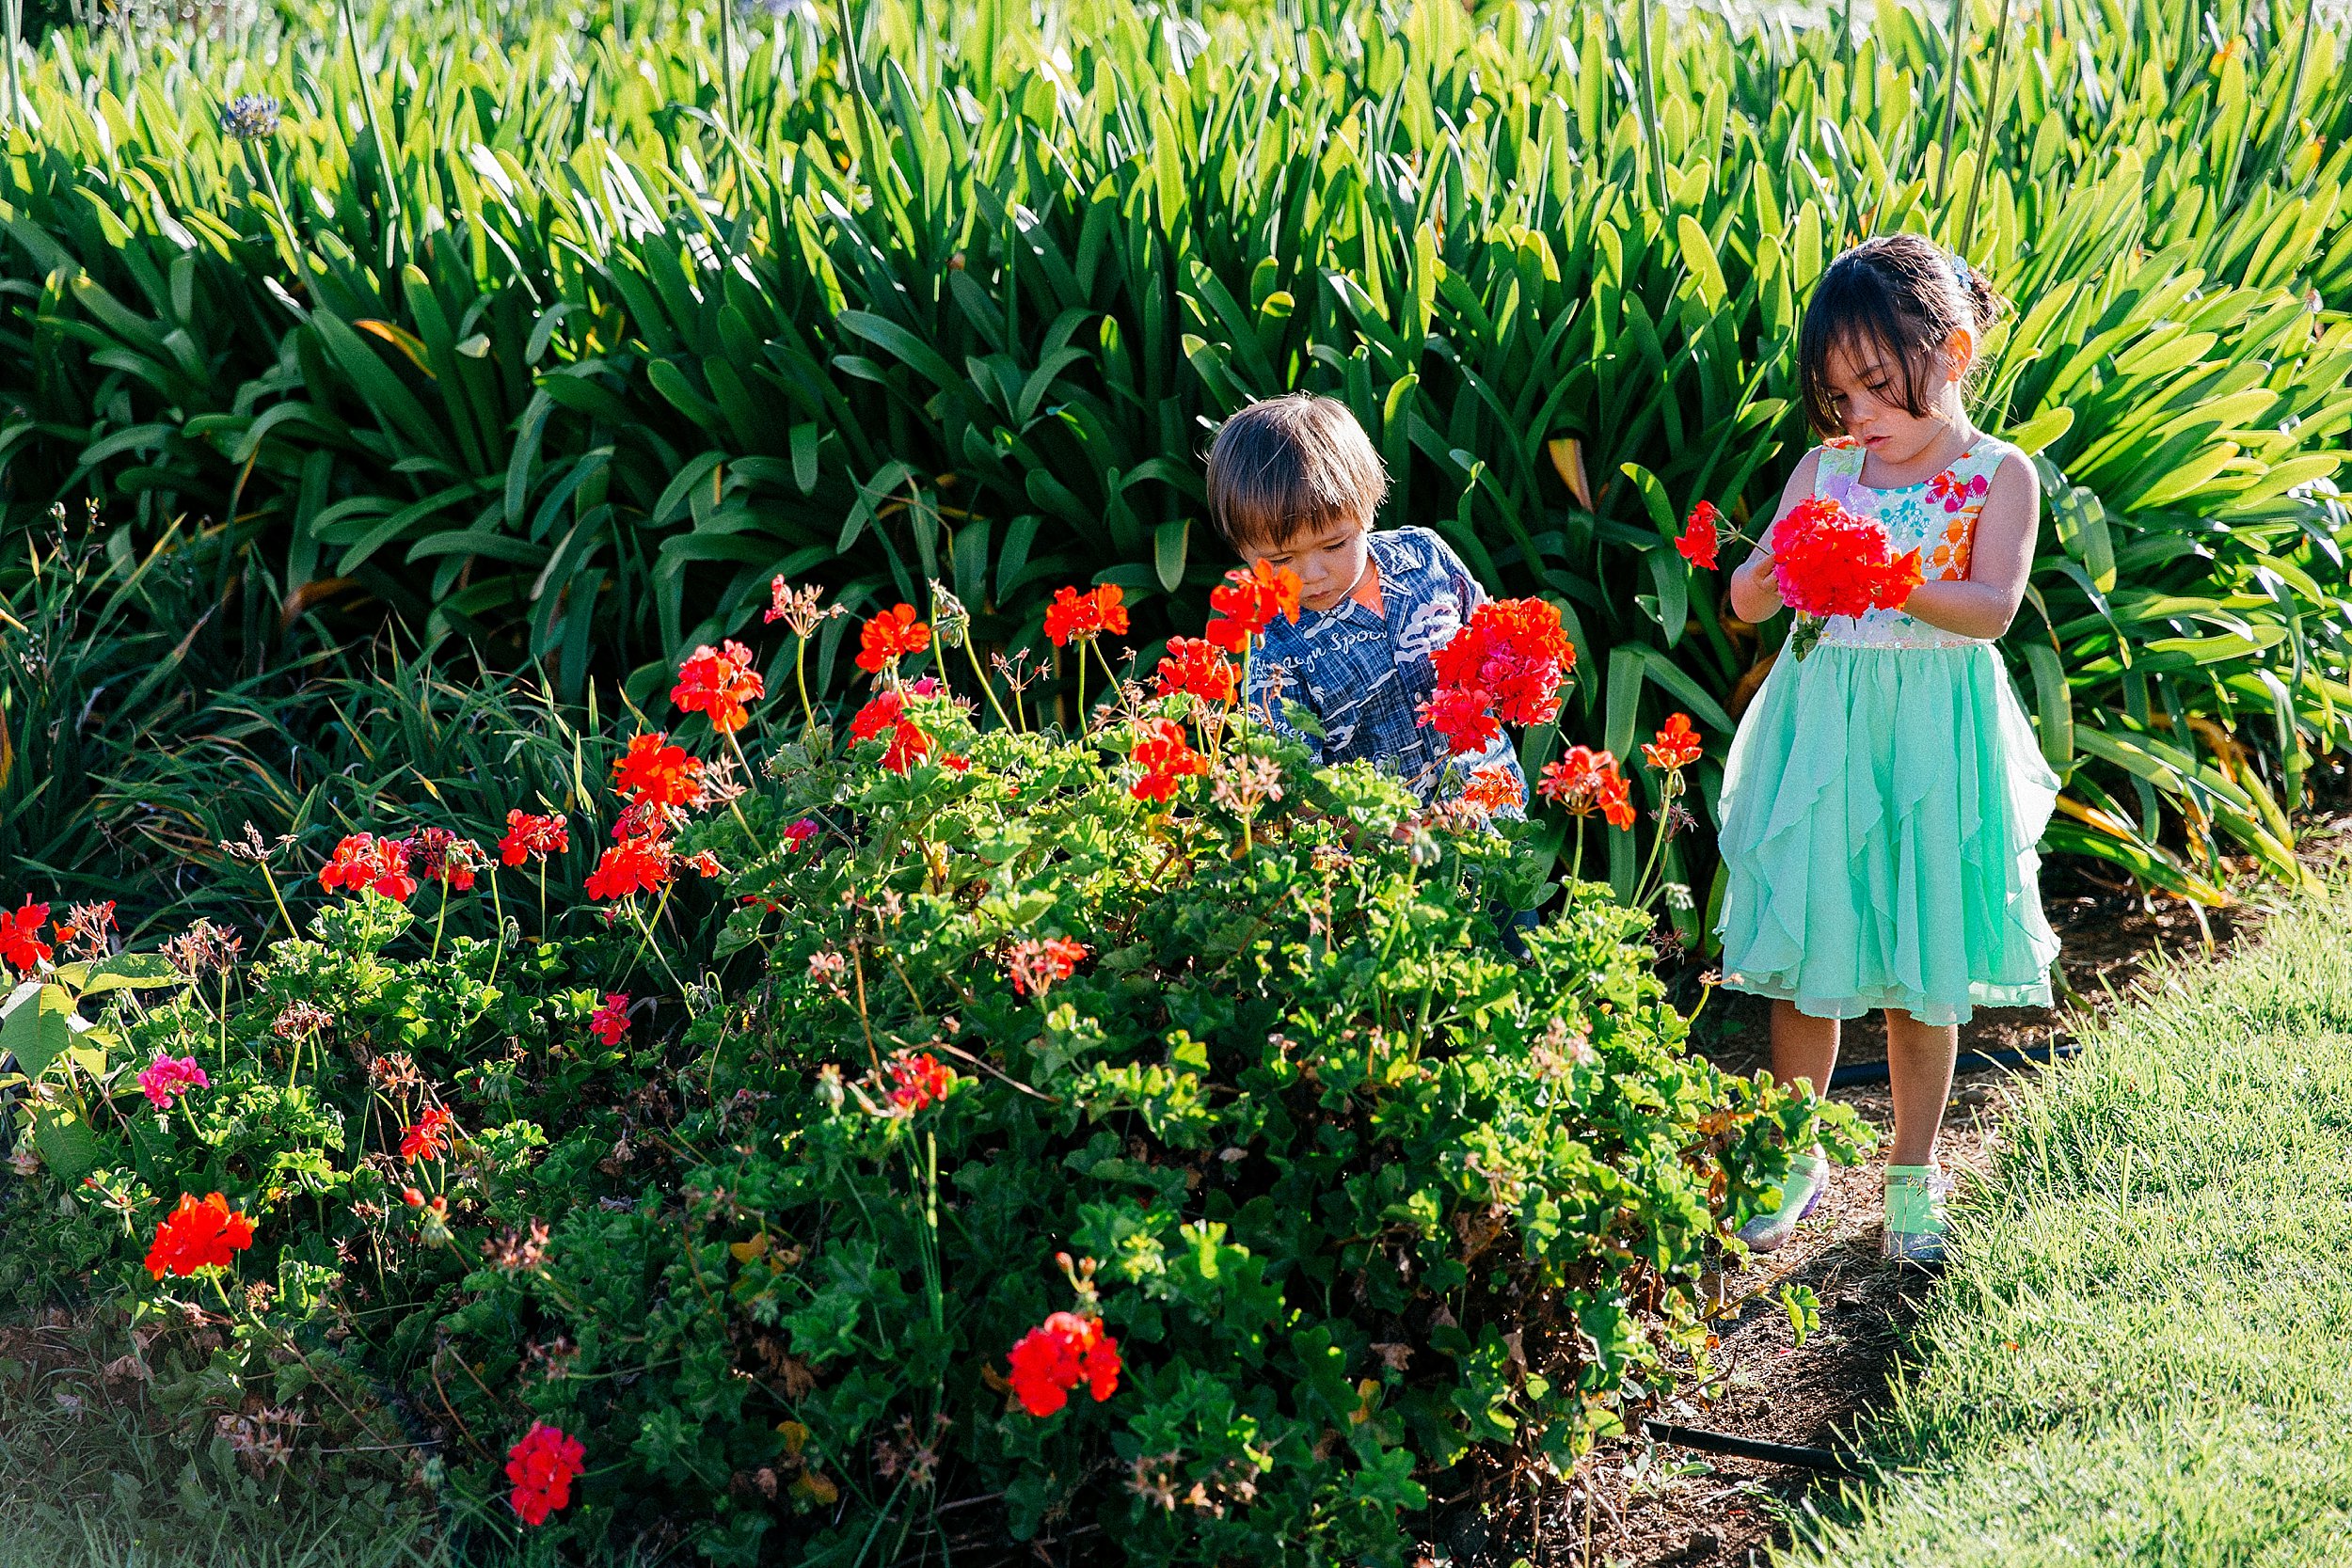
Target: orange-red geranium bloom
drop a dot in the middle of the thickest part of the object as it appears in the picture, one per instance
(890, 636)
(1085, 615)
(1165, 756)
(1459, 714)
(429, 1137)
(543, 1463)
(528, 836)
(1035, 965)
(632, 866)
(1586, 781)
(1249, 602)
(364, 861)
(1493, 789)
(197, 1235)
(654, 770)
(917, 1080)
(1701, 536)
(887, 713)
(718, 681)
(20, 936)
(1193, 665)
(1676, 746)
(1067, 1351)
(1828, 562)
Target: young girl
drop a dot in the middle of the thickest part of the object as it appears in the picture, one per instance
(1883, 795)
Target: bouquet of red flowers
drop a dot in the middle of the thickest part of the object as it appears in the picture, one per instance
(1828, 562)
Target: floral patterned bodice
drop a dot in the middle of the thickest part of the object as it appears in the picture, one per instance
(1936, 517)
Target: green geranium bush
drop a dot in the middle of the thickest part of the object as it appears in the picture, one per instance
(1149, 1144)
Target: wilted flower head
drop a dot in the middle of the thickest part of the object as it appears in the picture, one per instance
(202, 948)
(951, 623)
(88, 930)
(514, 1251)
(250, 116)
(799, 607)
(301, 1019)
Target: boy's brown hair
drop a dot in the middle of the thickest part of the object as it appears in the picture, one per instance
(1289, 466)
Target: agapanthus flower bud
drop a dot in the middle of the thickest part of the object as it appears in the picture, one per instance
(250, 116)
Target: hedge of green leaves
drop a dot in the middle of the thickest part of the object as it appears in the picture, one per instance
(597, 333)
(1367, 1202)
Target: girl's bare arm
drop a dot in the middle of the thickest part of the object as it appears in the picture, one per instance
(1755, 596)
(2000, 556)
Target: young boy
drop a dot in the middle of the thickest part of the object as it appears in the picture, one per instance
(1293, 482)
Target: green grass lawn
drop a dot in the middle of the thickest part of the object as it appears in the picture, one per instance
(2140, 1354)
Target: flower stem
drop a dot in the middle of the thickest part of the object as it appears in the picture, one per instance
(440, 916)
(1082, 691)
(800, 677)
(986, 686)
(279, 900)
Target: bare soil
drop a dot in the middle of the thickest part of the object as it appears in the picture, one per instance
(1641, 1504)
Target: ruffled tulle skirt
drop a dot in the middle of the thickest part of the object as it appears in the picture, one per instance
(1881, 808)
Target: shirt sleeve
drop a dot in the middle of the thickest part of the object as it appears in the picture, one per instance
(1271, 684)
(1468, 590)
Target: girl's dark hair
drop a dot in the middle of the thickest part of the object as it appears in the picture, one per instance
(1902, 295)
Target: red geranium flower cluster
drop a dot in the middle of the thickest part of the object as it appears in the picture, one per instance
(443, 856)
(428, 1137)
(917, 1080)
(799, 833)
(887, 712)
(1249, 602)
(718, 681)
(609, 1022)
(1195, 666)
(20, 936)
(528, 836)
(543, 1464)
(197, 1235)
(885, 639)
(1067, 1351)
(652, 770)
(1586, 781)
(1085, 615)
(1828, 562)
(639, 863)
(364, 861)
(1164, 757)
(1676, 747)
(1510, 658)
(1701, 536)
(1035, 965)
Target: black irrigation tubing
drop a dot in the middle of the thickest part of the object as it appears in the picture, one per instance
(1839, 1461)
(1970, 1061)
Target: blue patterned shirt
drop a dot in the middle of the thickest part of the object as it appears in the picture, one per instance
(1364, 673)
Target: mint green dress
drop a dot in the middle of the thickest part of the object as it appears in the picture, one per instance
(1885, 794)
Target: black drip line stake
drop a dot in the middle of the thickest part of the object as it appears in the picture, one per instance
(1840, 1461)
